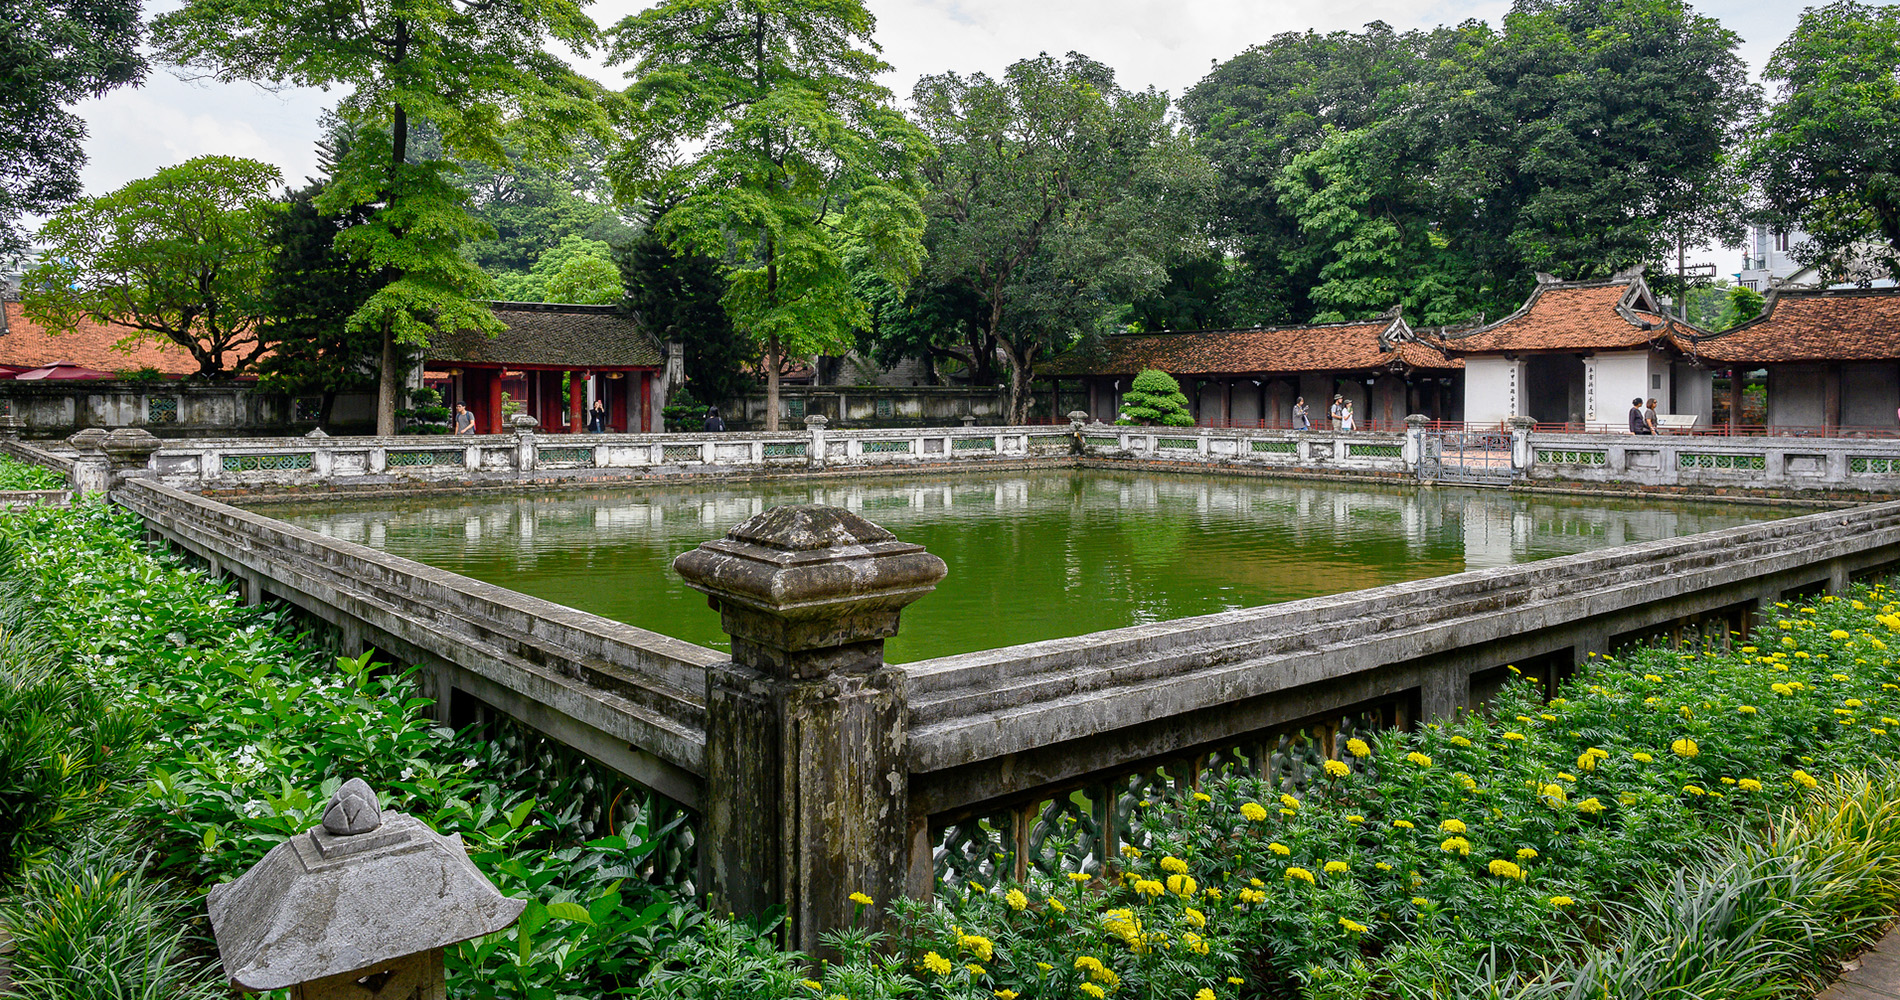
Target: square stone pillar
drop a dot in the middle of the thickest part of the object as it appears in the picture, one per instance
(807, 729)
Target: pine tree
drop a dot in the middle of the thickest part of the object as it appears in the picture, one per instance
(1155, 398)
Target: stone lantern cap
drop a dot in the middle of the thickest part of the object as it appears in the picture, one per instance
(806, 576)
(362, 888)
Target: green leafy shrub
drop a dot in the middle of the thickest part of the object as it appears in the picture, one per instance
(1154, 397)
(17, 475)
(683, 413)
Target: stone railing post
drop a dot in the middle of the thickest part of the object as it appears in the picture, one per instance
(359, 906)
(129, 451)
(92, 471)
(525, 452)
(1414, 448)
(10, 426)
(815, 449)
(1521, 453)
(807, 778)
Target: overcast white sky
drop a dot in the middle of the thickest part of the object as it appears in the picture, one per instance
(1169, 44)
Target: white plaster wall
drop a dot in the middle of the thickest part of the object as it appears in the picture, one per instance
(1494, 389)
(1658, 380)
(1797, 396)
(1621, 377)
(1869, 395)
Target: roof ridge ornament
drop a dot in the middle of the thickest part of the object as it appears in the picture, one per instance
(1547, 278)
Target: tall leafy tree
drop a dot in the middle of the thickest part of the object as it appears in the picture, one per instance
(477, 70)
(53, 54)
(796, 154)
(1056, 198)
(1827, 155)
(676, 295)
(180, 257)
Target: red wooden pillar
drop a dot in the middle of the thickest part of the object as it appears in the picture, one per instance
(494, 425)
(576, 397)
(646, 402)
(1227, 402)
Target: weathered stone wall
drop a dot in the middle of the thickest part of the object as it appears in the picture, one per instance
(56, 408)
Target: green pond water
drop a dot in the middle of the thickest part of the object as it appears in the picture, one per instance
(1035, 555)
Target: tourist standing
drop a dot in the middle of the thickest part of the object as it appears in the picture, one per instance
(1639, 424)
(597, 418)
(1346, 421)
(713, 424)
(1649, 416)
(464, 420)
(1300, 419)
(1337, 410)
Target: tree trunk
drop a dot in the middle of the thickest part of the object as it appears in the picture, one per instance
(386, 385)
(772, 362)
(1020, 374)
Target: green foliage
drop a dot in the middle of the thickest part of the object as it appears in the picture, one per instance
(1828, 153)
(798, 156)
(1743, 305)
(677, 296)
(533, 207)
(1154, 397)
(92, 924)
(1056, 198)
(17, 475)
(180, 256)
(53, 54)
(576, 270)
(683, 413)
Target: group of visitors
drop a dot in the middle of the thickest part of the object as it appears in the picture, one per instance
(1341, 413)
(1642, 420)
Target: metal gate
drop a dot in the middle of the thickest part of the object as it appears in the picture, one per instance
(1477, 458)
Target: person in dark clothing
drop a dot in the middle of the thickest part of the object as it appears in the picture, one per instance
(597, 419)
(1639, 421)
(713, 423)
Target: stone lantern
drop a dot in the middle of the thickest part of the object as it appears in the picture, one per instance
(357, 908)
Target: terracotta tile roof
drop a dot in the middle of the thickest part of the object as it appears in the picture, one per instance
(1324, 347)
(26, 345)
(1576, 316)
(1846, 325)
(567, 336)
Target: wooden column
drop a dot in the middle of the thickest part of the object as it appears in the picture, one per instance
(1227, 402)
(1831, 392)
(646, 402)
(576, 400)
(1735, 379)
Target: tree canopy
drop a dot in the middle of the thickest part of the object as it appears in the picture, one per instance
(796, 154)
(1827, 154)
(180, 256)
(53, 54)
(1056, 197)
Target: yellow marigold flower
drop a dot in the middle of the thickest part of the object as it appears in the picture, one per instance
(1745, 709)
(1088, 963)
(1854, 703)
(1149, 887)
(1590, 805)
(1420, 901)
(1194, 943)
(1547, 717)
(974, 969)
(1016, 900)
(1781, 689)
(1565, 776)
(1079, 876)
(861, 899)
(1838, 634)
(1337, 768)
(1470, 783)
(1182, 885)
(811, 984)
(1586, 763)
(1301, 874)
(1684, 747)
(1044, 966)
(1355, 818)
(1358, 748)
(1506, 869)
(1236, 981)
(1256, 883)
(1418, 758)
(1289, 801)
(1452, 826)
(1251, 896)
(1458, 844)
(936, 963)
(1459, 741)
(1093, 990)
(1194, 917)
(1353, 926)
(1006, 995)
(1802, 654)
(1750, 649)
(1056, 905)
(1748, 785)
(1203, 797)
(1726, 780)
(1253, 811)
(977, 945)
(1382, 866)
(1280, 849)
(1211, 892)
(1561, 901)
(1526, 853)
(1173, 864)
(1204, 994)
(1694, 789)
(1804, 779)
(1553, 793)
(1130, 850)
(1652, 678)
(1403, 824)
(1336, 868)
(1514, 736)
(1107, 976)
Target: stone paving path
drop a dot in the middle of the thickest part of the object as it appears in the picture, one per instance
(1874, 975)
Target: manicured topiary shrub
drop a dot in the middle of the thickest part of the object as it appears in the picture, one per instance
(1155, 398)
